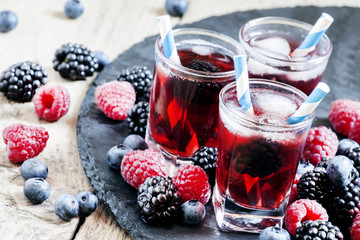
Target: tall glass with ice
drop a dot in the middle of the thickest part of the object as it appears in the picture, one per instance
(269, 42)
(258, 155)
(184, 98)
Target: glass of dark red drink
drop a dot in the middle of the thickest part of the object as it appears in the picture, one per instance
(184, 98)
(258, 155)
(269, 42)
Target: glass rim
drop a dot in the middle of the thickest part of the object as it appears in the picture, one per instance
(196, 73)
(251, 123)
(284, 21)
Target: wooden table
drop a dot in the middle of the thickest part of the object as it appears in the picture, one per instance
(108, 25)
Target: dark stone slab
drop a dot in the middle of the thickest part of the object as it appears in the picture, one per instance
(96, 133)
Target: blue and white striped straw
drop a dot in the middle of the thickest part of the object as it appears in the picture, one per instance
(314, 36)
(167, 39)
(242, 83)
(313, 100)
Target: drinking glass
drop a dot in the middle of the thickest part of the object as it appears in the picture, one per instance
(258, 155)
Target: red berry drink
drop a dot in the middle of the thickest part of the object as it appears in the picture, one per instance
(189, 117)
(184, 99)
(269, 42)
(258, 155)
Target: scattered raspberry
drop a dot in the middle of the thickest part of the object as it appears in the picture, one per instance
(354, 133)
(294, 191)
(138, 165)
(51, 102)
(301, 211)
(321, 142)
(355, 228)
(343, 113)
(115, 99)
(24, 142)
(193, 183)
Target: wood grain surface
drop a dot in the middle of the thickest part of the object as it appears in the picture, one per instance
(108, 25)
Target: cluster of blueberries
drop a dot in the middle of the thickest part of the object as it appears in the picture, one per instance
(37, 190)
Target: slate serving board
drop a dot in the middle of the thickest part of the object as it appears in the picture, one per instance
(97, 134)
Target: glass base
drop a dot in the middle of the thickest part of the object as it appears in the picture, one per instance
(232, 217)
(172, 161)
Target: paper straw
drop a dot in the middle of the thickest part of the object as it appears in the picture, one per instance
(313, 100)
(242, 83)
(167, 39)
(314, 36)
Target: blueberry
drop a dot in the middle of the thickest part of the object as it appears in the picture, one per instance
(346, 144)
(340, 171)
(87, 203)
(115, 155)
(66, 206)
(135, 142)
(176, 8)
(73, 8)
(103, 59)
(34, 168)
(8, 21)
(304, 167)
(192, 212)
(274, 233)
(36, 190)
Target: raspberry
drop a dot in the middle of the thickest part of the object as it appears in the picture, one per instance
(193, 183)
(301, 211)
(115, 99)
(51, 102)
(343, 113)
(355, 228)
(138, 165)
(321, 142)
(354, 133)
(24, 142)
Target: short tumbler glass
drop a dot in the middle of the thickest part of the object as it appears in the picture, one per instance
(257, 159)
(184, 102)
(268, 41)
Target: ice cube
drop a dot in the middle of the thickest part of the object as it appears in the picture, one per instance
(273, 104)
(270, 119)
(301, 75)
(201, 50)
(276, 47)
(198, 46)
(256, 68)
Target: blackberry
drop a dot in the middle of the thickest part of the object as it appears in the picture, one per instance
(344, 204)
(317, 230)
(75, 62)
(354, 155)
(20, 81)
(314, 185)
(159, 200)
(140, 77)
(206, 158)
(137, 118)
(258, 158)
(202, 66)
